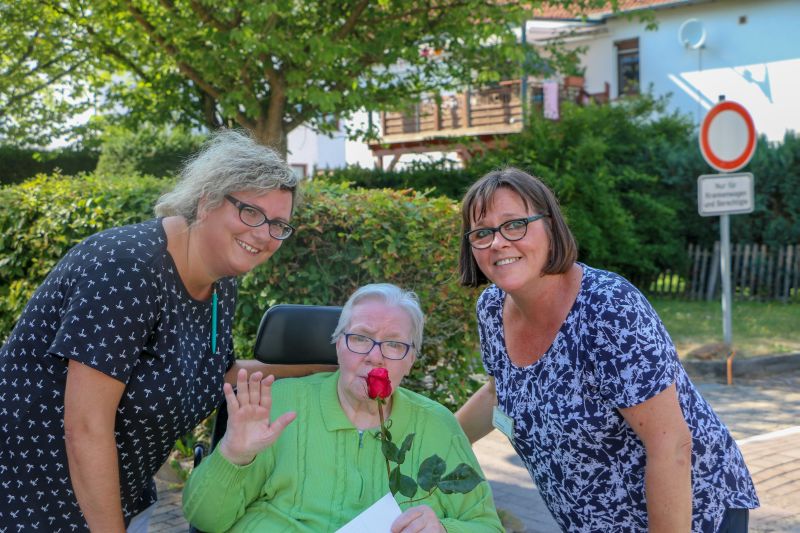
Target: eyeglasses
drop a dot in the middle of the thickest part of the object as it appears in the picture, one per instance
(511, 230)
(254, 217)
(362, 344)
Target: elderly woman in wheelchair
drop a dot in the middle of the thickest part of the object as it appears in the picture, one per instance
(302, 454)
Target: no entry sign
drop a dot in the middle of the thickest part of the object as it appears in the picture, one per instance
(727, 137)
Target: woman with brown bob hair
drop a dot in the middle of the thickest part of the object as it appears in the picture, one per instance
(584, 379)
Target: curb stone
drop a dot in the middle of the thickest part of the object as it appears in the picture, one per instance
(767, 365)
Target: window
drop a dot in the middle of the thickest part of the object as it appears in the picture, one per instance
(299, 170)
(627, 67)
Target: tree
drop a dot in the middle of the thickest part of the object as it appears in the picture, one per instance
(270, 66)
(42, 71)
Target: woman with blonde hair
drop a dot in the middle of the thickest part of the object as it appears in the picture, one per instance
(125, 345)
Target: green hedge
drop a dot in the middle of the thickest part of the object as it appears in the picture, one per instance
(152, 150)
(44, 217)
(346, 237)
(18, 164)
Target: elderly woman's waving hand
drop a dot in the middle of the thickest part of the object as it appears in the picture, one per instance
(249, 427)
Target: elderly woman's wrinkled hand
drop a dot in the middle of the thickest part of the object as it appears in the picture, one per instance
(249, 430)
(419, 519)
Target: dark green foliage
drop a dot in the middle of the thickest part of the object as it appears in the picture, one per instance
(399, 482)
(462, 479)
(346, 237)
(439, 177)
(430, 472)
(598, 160)
(18, 164)
(776, 168)
(776, 219)
(156, 151)
(42, 218)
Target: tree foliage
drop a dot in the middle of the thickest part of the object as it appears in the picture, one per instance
(265, 66)
(43, 72)
(270, 66)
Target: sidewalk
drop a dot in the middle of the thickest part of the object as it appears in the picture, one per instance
(762, 414)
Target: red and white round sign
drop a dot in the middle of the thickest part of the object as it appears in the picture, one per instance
(727, 137)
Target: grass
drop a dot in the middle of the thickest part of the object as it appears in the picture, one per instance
(759, 328)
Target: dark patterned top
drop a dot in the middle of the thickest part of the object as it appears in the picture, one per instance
(611, 352)
(116, 303)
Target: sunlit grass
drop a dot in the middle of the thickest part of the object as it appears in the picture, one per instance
(759, 328)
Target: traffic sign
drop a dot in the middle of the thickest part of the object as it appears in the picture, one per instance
(725, 194)
(727, 137)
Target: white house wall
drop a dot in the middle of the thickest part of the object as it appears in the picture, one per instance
(756, 63)
(302, 148)
(317, 152)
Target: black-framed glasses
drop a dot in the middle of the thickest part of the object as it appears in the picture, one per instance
(511, 230)
(254, 217)
(361, 344)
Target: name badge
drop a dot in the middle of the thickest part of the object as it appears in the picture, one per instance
(503, 422)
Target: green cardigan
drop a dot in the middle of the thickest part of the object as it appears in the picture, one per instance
(322, 472)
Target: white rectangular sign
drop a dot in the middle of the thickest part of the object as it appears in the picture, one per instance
(725, 194)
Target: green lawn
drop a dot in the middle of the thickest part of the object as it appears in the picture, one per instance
(759, 328)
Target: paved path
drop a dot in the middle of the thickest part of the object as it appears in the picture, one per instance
(763, 415)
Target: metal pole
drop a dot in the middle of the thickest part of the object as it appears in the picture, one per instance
(523, 88)
(725, 274)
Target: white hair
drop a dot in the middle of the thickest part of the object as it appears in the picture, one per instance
(390, 295)
(230, 161)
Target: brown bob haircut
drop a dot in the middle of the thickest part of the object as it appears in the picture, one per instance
(537, 197)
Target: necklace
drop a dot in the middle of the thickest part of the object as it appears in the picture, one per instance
(214, 320)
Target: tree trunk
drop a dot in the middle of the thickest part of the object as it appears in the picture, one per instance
(210, 111)
(278, 140)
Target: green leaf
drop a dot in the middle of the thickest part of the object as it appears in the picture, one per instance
(462, 479)
(401, 483)
(430, 471)
(401, 455)
(390, 451)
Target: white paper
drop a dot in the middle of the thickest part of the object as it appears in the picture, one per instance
(377, 518)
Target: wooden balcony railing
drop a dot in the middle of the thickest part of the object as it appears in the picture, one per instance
(495, 110)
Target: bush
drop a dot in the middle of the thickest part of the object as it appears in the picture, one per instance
(599, 162)
(776, 169)
(18, 164)
(438, 177)
(42, 218)
(152, 150)
(347, 237)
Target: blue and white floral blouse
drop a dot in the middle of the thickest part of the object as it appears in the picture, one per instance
(611, 352)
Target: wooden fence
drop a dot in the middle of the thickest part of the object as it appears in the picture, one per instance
(758, 272)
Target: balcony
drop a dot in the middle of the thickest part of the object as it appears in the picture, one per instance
(443, 123)
(496, 110)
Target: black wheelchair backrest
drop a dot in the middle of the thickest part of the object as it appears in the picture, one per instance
(292, 334)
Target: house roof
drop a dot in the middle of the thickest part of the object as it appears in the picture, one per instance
(557, 12)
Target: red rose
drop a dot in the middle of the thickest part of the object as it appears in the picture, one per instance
(378, 384)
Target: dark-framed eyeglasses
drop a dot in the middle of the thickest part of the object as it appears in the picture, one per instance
(511, 230)
(361, 344)
(254, 217)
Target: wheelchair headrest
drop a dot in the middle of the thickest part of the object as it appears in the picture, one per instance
(297, 334)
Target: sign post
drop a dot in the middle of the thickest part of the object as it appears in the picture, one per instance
(727, 142)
